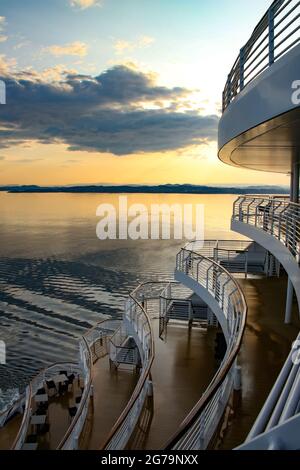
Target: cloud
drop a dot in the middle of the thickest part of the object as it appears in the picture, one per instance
(121, 46)
(111, 113)
(27, 160)
(3, 37)
(83, 4)
(22, 44)
(6, 65)
(76, 48)
(2, 22)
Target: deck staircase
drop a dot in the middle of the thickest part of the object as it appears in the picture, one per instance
(242, 262)
(184, 310)
(125, 352)
(99, 348)
(128, 354)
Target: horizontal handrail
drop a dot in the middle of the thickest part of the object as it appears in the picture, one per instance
(277, 216)
(234, 307)
(6, 413)
(20, 438)
(285, 392)
(83, 402)
(86, 346)
(30, 392)
(117, 430)
(276, 34)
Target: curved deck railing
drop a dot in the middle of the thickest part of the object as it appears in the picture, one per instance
(100, 331)
(139, 327)
(276, 216)
(276, 34)
(32, 388)
(21, 436)
(71, 438)
(280, 218)
(198, 428)
(281, 406)
(13, 408)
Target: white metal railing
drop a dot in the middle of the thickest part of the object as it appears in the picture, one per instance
(275, 215)
(209, 248)
(99, 336)
(174, 297)
(237, 256)
(198, 427)
(100, 332)
(31, 390)
(71, 438)
(15, 407)
(138, 325)
(276, 34)
(120, 351)
(273, 428)
(21, 436)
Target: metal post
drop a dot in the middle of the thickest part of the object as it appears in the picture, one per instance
(229, 90)
(242, 67)
(237, 384)
(190, 315)
(271, 36)
(289, 303)
(150, 388)
(295, 185)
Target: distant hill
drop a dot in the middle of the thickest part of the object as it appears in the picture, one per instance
(160, 189)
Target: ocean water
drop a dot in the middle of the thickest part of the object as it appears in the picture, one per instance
(57, 279)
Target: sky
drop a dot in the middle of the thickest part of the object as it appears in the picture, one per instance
(119, 91)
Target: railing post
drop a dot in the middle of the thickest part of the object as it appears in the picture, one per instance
(271, 35)
(229, 90)
(190, 314)
(241, 217)
(242, 68)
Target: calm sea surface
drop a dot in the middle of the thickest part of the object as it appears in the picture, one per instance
(57, 279)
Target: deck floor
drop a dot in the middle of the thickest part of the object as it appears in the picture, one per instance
(9, 432)
(183, 366)
(266, 345)
(112, 391)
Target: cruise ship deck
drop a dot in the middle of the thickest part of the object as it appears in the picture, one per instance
(112, 389)
(184, 365)
(266, 345)
(184, 390)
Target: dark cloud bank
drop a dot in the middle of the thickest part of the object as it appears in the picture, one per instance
(100, 114)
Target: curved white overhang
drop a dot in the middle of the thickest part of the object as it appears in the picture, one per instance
(275, 247)
(260, 127)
